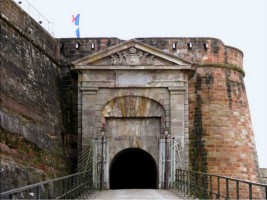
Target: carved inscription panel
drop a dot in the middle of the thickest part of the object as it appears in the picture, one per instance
(127, 79)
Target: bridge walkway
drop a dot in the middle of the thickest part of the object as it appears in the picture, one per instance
(137, 194)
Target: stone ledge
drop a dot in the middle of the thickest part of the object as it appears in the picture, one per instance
(221, 65)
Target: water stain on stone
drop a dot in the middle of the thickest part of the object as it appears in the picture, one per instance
(228, 87)
(199, 162)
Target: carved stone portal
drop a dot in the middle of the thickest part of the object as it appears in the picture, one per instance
(134, 91)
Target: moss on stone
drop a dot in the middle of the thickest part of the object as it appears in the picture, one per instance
(26, 154)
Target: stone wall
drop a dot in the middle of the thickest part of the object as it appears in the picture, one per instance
(30, 114)
(220, 129)
(72, 49)
(196, 50)
(27, 27)
(220, 132)
(264, 175)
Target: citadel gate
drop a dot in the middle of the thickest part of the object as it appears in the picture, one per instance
(134, 91)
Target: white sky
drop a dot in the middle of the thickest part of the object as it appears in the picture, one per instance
(238, 23)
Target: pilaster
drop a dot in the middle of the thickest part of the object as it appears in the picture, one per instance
(88, 101)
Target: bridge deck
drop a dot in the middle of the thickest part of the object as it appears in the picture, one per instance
(137, 194)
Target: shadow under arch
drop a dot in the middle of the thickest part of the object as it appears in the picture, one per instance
(133, 168)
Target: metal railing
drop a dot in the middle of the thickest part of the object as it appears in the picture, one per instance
(208, 186)
(75, 186)
(66, 187)
(36, 15)
(85, 159)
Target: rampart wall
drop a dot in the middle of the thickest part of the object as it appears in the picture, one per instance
(30, 114)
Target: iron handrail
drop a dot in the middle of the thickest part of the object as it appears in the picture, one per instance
(36, 15)
(36, 184)
(204, 185)
(71, 186)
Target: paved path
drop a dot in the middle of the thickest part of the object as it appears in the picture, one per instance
(136, 194)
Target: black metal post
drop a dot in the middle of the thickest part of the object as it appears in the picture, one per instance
(237, 189)
(250, 190)
(227, 188)
(166, 174)
(102, 164)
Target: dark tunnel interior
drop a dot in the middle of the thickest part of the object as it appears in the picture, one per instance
(133, 168)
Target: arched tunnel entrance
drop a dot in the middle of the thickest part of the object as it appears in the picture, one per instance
(133, 168)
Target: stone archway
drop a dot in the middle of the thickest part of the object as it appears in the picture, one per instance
(133, 122)
(133, 107)
(133, 168)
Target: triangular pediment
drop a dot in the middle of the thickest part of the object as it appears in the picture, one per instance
(131, 53)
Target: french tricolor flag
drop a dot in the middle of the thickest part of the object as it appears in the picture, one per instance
(77, 32)
(76, 19)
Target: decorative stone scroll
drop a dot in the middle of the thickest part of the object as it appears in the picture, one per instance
(133, 56)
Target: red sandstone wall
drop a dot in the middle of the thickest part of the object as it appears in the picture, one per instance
(221, 135)
(214, 52)
(220, 131)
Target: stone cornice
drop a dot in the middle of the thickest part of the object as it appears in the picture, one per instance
(126, 67)
(220, 65)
